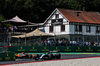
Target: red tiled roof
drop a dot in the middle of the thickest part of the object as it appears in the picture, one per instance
(84, 16)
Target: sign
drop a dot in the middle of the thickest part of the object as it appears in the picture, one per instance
(7, 56)
(45, 49)
(67, 49)
(56, 49)
(21, 49)
(33, 49)
(78, 49)
(53, 48)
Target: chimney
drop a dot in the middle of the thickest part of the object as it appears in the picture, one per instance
(78, 13)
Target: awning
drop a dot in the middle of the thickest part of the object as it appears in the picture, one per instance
(36, 32)
(16, 21)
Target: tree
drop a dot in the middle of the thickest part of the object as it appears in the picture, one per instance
(38, 10)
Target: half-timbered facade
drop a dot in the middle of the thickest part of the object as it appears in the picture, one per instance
(73, 24)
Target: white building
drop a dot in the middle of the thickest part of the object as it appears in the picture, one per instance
(73, 24)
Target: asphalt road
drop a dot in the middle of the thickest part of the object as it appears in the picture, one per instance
(63, 56)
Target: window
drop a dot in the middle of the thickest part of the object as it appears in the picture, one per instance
(97, 29)
(60, 20)
(57, 21)
(53, 21)
(51, 29)
(88, 29)
(62, 28)
(78, 28)
(57, 16)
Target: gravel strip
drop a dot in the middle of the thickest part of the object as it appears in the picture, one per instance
(72, 62)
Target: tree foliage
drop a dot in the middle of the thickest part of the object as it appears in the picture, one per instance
(38, 10)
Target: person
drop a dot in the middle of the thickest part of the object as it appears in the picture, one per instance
(60, 43)
(95, 43)
(86, 43)
(89, 43)
(92, 43)
(64, 43)
(80, 43)
(43, 42)
(76, 44)
(11, 29)
(19, 40)
(15, 28)
(52, 42)
(49, 42)
(70, 43)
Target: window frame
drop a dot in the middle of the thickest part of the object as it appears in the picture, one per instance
(97, 29)
(78, 28)
(50, 29)
(57, 16)
(88, 28)
(62, 28)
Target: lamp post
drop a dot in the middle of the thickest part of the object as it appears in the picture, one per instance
(40, 39)
(83, 37)
(8, 40)
(97, 35)
(97, 40)
(83, 40)
(25, 38)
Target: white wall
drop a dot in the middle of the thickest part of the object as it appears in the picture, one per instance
(57, 28)
(46, 29)
(66, 29)
(69, 29)
(93, 30)
(60, 16)
(72, 30)
(53, 17)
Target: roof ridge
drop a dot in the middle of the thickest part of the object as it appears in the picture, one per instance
(76, 10)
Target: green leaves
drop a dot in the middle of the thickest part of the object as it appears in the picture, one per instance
(1, 18)
(39, 10)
